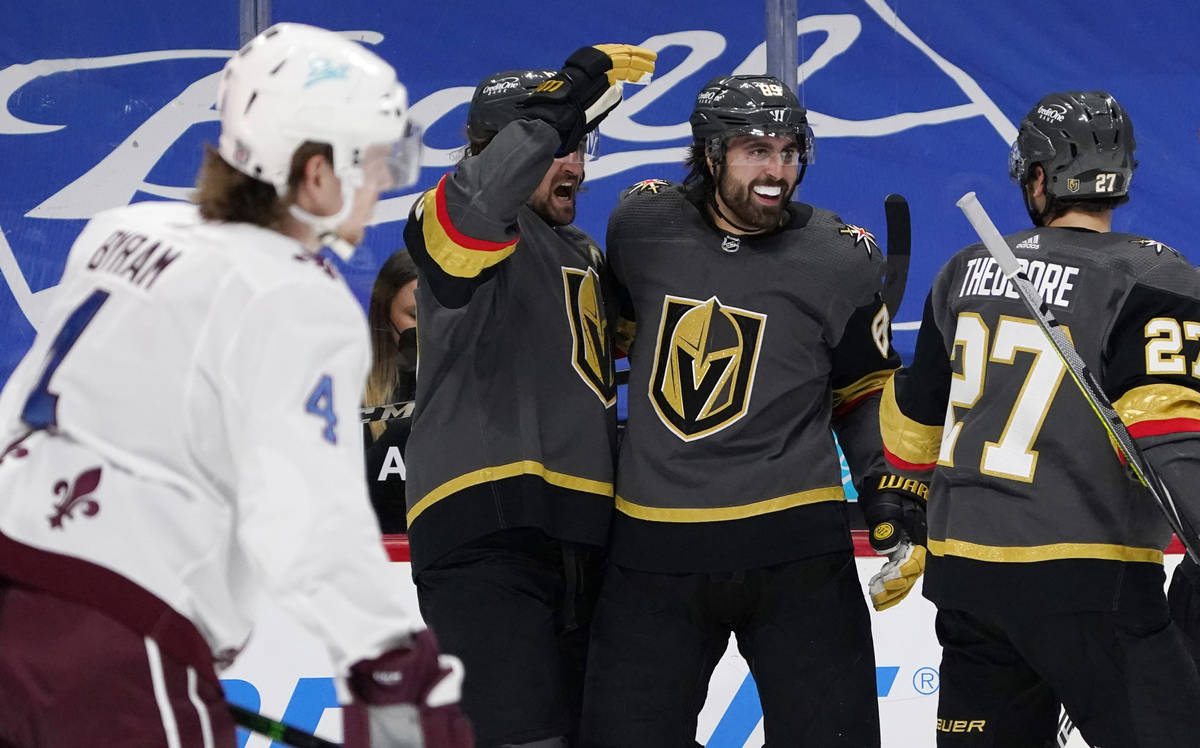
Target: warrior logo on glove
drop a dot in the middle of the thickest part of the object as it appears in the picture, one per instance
(894, 508)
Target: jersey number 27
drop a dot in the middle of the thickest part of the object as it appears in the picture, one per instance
(1011, 455)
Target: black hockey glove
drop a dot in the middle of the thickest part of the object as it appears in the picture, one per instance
(894, 508)
(588, 87)
(407, 696)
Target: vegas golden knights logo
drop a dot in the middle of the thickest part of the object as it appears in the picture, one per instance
(591, 353)
(704, 365)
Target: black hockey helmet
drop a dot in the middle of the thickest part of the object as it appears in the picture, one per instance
(1083, 140)
(494, 103)
(732, 105)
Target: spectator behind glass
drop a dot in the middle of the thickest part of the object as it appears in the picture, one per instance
(391, 315)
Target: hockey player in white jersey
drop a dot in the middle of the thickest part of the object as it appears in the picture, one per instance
(182, 440)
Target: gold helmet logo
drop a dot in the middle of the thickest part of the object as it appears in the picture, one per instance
(704, 365)
(591, 351)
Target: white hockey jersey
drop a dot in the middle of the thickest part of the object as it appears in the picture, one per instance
(183, 437)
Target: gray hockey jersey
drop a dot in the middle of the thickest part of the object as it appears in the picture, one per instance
(743, 351)
(1029, 498)
(514, 424)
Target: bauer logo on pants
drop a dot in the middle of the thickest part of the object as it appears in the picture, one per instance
(704, 365)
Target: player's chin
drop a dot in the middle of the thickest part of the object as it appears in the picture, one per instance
(763, 217)
(556, 212)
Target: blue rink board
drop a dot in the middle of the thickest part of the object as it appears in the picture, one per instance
(105, 107)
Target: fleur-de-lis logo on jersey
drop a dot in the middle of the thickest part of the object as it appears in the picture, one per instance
(591, 349)
(704, 365)
(75, 495)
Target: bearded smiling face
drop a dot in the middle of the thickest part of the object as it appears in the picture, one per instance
(756, 181)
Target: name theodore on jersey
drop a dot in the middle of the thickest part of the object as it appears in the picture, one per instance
(132, 256)
(983, 277)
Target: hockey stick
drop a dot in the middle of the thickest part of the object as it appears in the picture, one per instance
(899, 250)
(277, 730)
(1142, 470)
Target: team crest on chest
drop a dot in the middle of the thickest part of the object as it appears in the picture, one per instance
(704, 364)
(591, 354)
(861, 237)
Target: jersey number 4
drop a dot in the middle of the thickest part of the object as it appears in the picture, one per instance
(1012, 455)
(320, 404)
(41, 406)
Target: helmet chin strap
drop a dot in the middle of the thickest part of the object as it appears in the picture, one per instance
(326, 227)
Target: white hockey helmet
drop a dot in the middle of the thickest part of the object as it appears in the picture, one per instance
(295, 83)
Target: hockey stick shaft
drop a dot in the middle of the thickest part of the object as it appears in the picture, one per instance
(1099, 402)
(278, 731)
(899, 251)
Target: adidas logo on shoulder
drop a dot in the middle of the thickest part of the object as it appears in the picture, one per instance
(1030, 243)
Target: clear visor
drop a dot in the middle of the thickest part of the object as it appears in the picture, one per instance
(588, 150)
(404, 161)
(760, 146)
(394, 166)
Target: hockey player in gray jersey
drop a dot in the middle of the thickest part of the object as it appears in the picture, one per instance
(752, 325)
(511, 453)
(1045, 559)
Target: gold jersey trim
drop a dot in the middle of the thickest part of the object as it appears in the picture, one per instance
(863, 387)
(1158, 402)
(454, 252)
(1050, 552)
(722, 513)
(511, 470)
(913, 442)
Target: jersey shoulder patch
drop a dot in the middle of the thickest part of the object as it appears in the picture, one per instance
(860, 238)
(1157, 247)
(646, 187)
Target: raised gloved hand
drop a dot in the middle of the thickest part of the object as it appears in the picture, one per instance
(588, 87)
(407, 698)
(895, 512)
